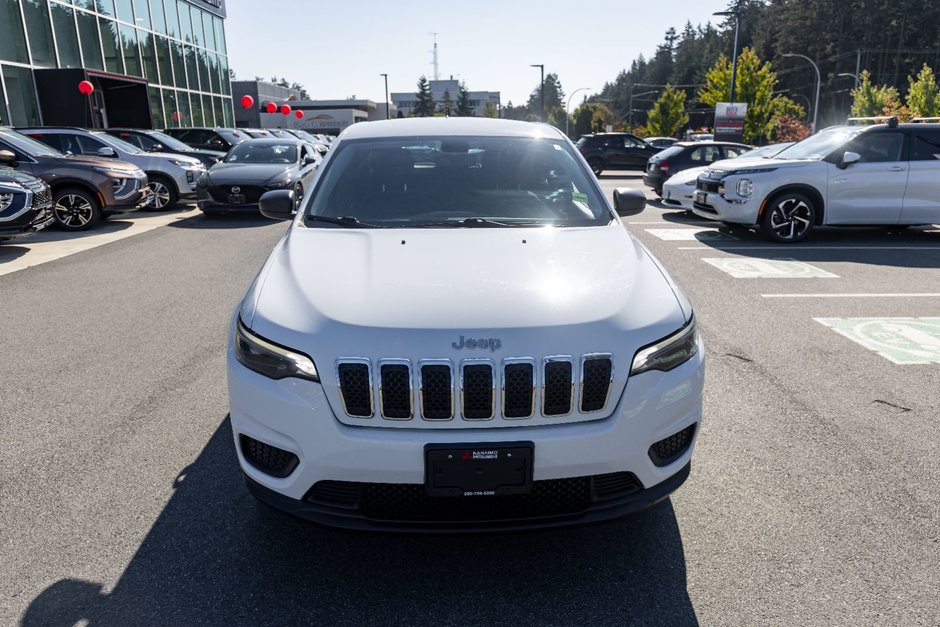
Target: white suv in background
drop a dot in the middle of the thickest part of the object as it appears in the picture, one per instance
(882, 174)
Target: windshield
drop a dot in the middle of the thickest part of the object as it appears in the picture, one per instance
(821, 144)
(766, 152)
(262, 152)
(457, 181)
(29, 145)
(118, 143)
(170, 142)
(232, 137)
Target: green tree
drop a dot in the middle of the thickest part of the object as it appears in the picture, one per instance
(583, 118)
(446, 106)
(490, 110)
(557, 118)
(871, 100)
(554, 96)
(464, 108)
(668, 114)
(754, 85)
(425, 101)
(923, 98)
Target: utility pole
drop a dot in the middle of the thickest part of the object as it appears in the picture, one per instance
(541, 67)
(387, 106)
(734, 56)
(436, 74)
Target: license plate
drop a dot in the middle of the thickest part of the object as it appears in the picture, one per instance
(478, 470)
(699, 197)
(236, 199)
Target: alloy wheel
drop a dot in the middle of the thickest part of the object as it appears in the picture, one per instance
(791, 219)
(73, 211)
(161, 195)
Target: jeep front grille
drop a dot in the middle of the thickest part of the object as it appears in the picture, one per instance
(475, 389)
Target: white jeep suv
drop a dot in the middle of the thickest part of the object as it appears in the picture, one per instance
(457, 332)
(882, 174)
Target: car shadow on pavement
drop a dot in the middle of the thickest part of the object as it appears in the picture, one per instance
(223, 221)
(216, 556)
(9, 252)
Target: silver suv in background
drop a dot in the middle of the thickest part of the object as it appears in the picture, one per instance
(172, 177)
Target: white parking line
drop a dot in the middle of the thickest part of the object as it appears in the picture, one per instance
(667, 223)
(857, 295)
(799, 248)
(753, 268)
(71, 243)
(679, 235)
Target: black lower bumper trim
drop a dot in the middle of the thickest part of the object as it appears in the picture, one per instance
(353, 519)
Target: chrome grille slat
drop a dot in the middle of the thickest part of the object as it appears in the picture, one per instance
(438, 390)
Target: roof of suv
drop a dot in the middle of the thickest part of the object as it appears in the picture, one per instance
(404, 127)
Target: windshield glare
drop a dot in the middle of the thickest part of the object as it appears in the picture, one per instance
(120, 144)
(264, 152)
(170, 142)
(443, 181)
(820, 145)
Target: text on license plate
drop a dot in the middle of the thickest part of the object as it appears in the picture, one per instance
(236, 199)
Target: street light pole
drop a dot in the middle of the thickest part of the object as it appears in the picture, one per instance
(541, 67)
(734, 54)
(388, 109)
(568, 104)
(818, 81)
(858, 81)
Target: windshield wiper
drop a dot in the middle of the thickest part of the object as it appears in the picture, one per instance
(473, 223)
(347, 221)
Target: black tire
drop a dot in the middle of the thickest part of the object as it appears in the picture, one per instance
(75, 209)
(597, 165)
(788, 217)
(165, 196)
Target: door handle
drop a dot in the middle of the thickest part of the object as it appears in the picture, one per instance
(896, 168)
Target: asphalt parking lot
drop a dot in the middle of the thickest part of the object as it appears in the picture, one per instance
(812, 498)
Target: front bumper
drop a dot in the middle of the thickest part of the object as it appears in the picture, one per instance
(211, 206)
(135, 202)
(34, 220)
(653, 180)
(294, 415)
(715, 207)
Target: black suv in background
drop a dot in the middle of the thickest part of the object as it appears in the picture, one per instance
(25, 204)
(221, 139)
(615, 151)
(156, 141)
(684, 155)
(84, 189)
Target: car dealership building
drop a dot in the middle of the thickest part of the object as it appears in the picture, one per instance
(152, 63)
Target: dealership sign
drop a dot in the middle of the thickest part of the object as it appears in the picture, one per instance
(729, 121)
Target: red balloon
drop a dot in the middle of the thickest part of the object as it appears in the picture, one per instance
(248, 102)
(176, 116)
(285, 109)
(299, 114)
(270, 107)
(86, 87)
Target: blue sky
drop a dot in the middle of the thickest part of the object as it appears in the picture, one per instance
(339, 49)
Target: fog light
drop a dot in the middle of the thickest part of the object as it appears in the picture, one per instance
(744, 188)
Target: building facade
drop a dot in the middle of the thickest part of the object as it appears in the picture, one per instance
(406, 102)
(153, 63)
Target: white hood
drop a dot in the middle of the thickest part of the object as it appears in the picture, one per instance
(728, 165)
(339, 292)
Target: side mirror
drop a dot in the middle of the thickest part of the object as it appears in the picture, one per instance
(309, 160)
(848, 159)
(106, 152)
(629, 201)
(156, 148)
(278, 205)
(7, 157)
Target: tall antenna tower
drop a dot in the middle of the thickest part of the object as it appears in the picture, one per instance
(436, 75)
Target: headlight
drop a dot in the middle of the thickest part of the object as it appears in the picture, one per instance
(668, 353)
(119, 174)
(279, 184)
(744, 187)
(270, 359)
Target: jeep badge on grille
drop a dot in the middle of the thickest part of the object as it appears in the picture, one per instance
(492, 343)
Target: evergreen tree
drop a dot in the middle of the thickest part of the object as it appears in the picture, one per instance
(923, 98)
(490, 110)
(668, 114)
(464, 108)
(554, 96)
(425, 101)
(447, 104)
(557, 118)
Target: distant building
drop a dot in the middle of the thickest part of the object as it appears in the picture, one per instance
(262, 92)
(406, 102)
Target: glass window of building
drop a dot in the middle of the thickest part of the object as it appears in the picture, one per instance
(104, 7)
(21, 96)
(204, 71)
(90, 41)
(184, 112)
(172, 19)
(186, 22)
(142, 13)
(63, 21)
(197, 118)
(163, 60)
(179, 67)
(171, 107)
(111, 43)
(219, 35)
(199, 37)
(124, 10)
(209, 29)
(223, 72)
(159, 17)
(148, 55)
(131, 54)
(12, 37)
(39, 31)
(207, 110)
(156, 107)
(192, 73)
(229, 114)
(214, 73)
